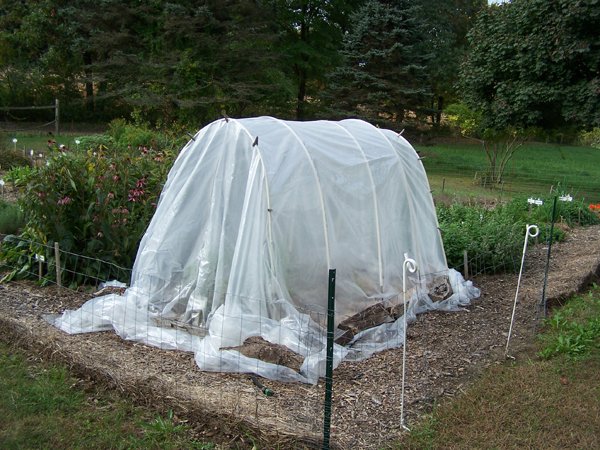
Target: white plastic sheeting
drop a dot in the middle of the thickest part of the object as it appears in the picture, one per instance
(253, 215)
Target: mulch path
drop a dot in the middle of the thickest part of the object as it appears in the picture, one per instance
(445, 352)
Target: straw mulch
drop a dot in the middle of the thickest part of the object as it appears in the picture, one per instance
(445, 352)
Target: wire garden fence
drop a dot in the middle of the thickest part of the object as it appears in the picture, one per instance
(360, 407)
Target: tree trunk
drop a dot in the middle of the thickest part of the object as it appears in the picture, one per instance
(438, 113)
(300, 113)
(89, 82)
(301, 69)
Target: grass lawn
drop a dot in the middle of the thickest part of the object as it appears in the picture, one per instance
(42, 406)
(534, 170)
(453, 168)
(542, 403)
(37, 141)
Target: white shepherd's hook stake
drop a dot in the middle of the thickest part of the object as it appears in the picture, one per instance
(410, 265)
(528, 234)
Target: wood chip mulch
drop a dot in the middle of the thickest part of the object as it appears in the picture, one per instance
(445, 352)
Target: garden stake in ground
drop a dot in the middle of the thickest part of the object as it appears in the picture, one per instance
(528, 234)
(409, 265)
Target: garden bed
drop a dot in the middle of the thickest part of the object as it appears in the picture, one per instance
(445, 351)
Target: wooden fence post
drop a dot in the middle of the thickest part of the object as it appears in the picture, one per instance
(56, 117)
(57, 259)
(466, 264)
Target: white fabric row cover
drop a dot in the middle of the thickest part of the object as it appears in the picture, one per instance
(253, 215)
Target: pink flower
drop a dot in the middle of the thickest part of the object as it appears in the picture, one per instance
(64, 201)
(135, 194)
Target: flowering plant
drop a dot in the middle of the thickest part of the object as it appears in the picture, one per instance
(95, 202)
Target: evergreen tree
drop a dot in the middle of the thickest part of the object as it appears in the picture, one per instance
(384, 76)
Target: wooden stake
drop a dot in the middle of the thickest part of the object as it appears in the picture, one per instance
(56, 118)
(466, 264)
(57, 259)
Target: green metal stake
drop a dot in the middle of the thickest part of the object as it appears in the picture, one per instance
(544, 303)
(329, 361)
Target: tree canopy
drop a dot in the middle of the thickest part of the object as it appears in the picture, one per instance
(528, 62)
(535, 63)
(385, 59)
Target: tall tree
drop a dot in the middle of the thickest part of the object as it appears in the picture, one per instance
(311, 36)
(183, 59)
(535, 63)
(384, 75)
(447, 23)
(36, 64)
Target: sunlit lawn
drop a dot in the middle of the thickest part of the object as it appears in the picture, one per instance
(535, 169)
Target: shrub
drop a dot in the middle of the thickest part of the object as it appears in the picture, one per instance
(127, 136)
(10, 158)
(95, 142)
(590, 138)
(494, 237)
(491, 236)
(11, 218)
(95, 203)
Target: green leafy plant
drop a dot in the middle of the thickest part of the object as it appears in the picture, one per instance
(495, 236)
(11, 218)
(575, 329)
(590, 138)
(96, 203)
(19, 175)
(10, 158)
(18, 256)
(162, 427)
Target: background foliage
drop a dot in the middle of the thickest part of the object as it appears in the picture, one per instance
(96, 202)
(535, 63)
(495, 236)
(186, 61)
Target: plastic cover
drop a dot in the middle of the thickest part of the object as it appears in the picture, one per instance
(253, 215)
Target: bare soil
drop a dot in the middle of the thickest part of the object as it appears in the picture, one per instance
(445, 352)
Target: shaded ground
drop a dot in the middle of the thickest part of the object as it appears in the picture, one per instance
(445, 352)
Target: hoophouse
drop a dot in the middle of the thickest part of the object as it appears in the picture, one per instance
(253, 215)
